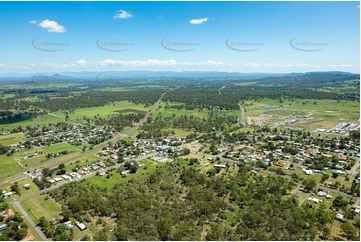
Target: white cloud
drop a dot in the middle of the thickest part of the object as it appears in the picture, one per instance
(122, 14)
(199, 21)
(81, 62)
(49, 25)
(172, 65)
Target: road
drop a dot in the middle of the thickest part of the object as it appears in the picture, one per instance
(90, 152)
(97, 148)
(41, 234)
(354, 170)
(242, 118)
(220, 89)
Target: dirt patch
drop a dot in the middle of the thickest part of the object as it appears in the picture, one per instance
(129, 110)
(29, 237)
(255, 121)
(7, 213)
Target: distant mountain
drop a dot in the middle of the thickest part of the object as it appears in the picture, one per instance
(94, 75)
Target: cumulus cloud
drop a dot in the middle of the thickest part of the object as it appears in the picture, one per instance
(198, 21)
(49, 25)
(122, 14)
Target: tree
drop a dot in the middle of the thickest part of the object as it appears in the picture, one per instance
(63, 233)
(325, 177)
(15, 188)
(309, 184)
(121, 233)
(339, 202)
(133, 169)
(349, 231)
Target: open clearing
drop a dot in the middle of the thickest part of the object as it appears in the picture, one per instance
(40, 206)
(76, 116)
(297, 113)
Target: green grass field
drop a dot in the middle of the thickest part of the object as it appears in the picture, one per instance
(59, 116)
(12, 139)
(24, 192)
(40, 206)
(12, 165)
(8, 167)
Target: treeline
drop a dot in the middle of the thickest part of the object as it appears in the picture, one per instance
(254, 92)
(203, 97)
(11, 117)
(84, 100)
(178, 202)
(310, 80)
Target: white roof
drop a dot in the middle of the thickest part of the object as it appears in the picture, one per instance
(81, 226)
(308, 172)
(339, 216)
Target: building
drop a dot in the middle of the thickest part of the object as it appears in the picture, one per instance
(69, 224)
(321, 193)
(81, 226)
(220, 166)
(3, 227)
(339, 216)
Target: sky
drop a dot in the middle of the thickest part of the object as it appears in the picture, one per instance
(272, 37)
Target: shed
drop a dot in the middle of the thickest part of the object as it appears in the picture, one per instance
(339, 216)
(81, 226)
(220, 166)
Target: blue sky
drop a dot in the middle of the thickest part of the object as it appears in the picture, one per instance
(180, 36)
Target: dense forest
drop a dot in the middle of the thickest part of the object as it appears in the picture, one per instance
(179, 202)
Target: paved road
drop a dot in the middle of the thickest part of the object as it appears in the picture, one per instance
(97, 148)
(37, 229)
(91, 152)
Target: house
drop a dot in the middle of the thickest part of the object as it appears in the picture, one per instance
(342, 157)
(328, 196)
(339, 216)
(7, 194)
(26, 186)
(58, 179)
(81, 226)
(220, 166)
(321, 193)
(308, 172)
(3, 227)
(69, 224)
(356, 208)
(66, 177)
